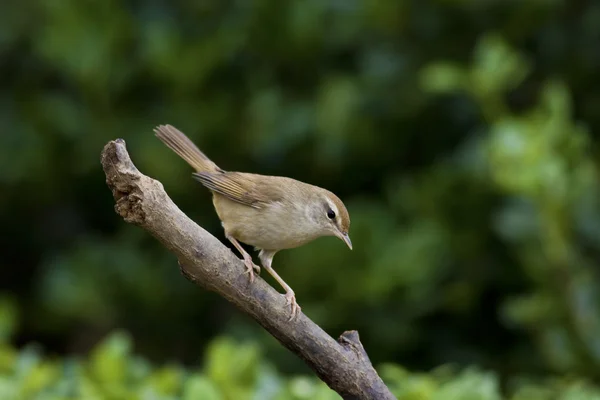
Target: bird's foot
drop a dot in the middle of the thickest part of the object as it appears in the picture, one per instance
(290, 300)
(251, 268)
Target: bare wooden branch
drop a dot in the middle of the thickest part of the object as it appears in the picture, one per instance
(142, 201)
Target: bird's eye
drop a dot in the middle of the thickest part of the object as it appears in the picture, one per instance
(330, 214)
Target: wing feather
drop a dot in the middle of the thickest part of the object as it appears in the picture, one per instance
(239, 187)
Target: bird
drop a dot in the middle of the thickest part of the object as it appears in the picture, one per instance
(270, 213)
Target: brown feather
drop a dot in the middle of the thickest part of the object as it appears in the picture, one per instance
(185, 148)
(244, 188)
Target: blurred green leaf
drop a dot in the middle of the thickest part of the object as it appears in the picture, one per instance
(443, 78)
(470, 385)
(497, 67)
(199, 387)
(109, 360)
(233, 367)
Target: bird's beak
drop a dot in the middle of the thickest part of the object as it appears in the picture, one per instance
(346, 239)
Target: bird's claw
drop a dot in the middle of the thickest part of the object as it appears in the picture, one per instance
(290, 300)
(251, 268)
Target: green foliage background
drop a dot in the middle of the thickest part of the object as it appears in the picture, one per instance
(460, 134)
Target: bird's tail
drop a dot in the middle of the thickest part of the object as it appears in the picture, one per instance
(185, 148)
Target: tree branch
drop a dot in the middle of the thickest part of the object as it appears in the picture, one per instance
(142, 201)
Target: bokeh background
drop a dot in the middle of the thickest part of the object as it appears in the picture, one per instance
(462, 135)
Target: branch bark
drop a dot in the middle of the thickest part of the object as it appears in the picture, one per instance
(343, 364)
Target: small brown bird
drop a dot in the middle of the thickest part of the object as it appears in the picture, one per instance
(271, 213)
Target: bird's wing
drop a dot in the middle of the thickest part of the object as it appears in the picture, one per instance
(242, 187)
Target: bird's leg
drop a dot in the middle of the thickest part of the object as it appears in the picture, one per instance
(250, 266)
(266, 257)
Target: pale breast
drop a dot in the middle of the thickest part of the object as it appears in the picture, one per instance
(271, 227)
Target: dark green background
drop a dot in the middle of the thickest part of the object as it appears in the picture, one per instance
(462, 136)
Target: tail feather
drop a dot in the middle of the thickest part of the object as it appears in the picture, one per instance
(185, 148)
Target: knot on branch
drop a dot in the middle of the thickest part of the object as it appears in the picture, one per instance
(129, 206)
(351, 341)
(122, 178)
